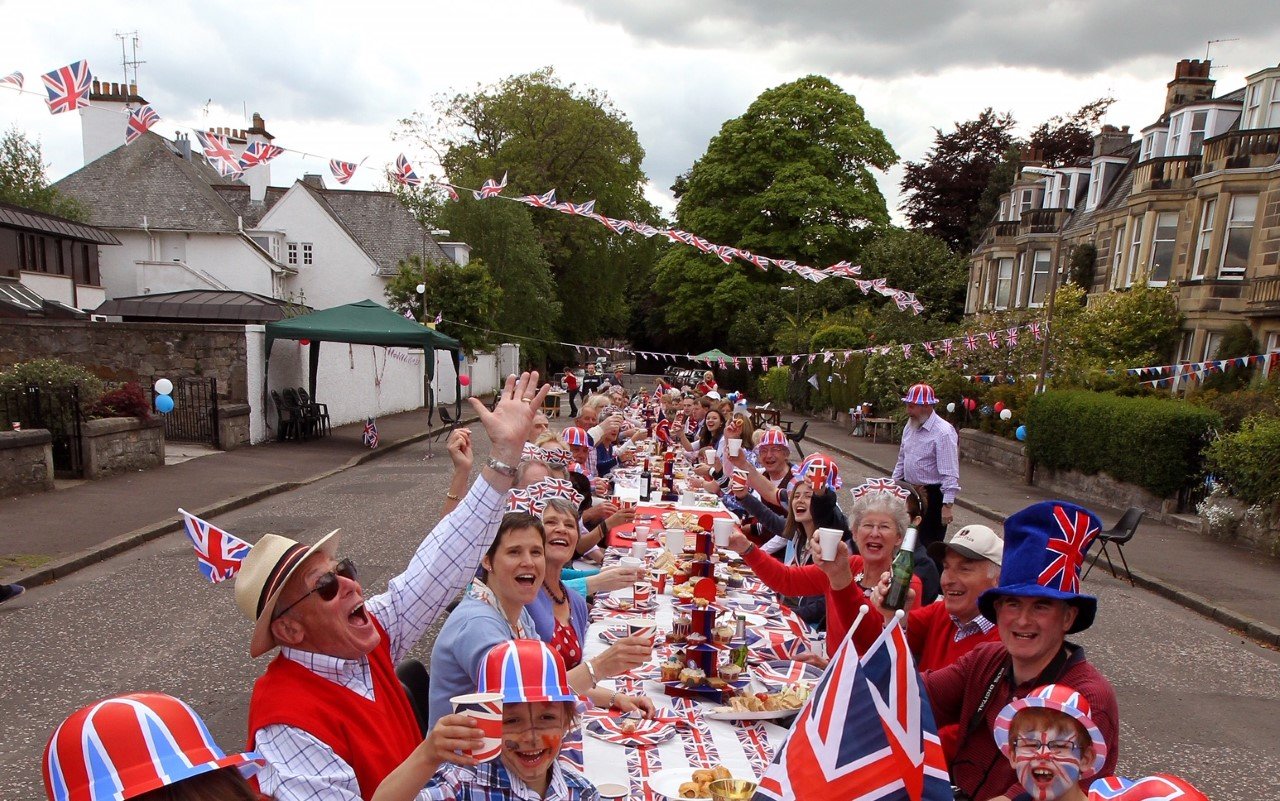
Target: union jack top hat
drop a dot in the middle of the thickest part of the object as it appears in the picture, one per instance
(524, 671)
(576, 437)
(921, 394)
(122, 747)
(1063, 699)
(1044, 547)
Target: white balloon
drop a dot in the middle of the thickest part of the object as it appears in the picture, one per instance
(1005, 414)
(164, 386)
(951, 407)
(421, 288)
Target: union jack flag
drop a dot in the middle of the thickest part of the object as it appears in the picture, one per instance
(580, 209)
(837, 750)
(903, 299)
(1011, 337)
(221, 157)
(725, 252)
(845, 268)
(610, 223)
(880, 485)
(342, 171)
(760, 261)
(865, 286)
(881, 285)
(448, 188)
(1160, 787)
(1034, 328)
(906, 351)
(218, 554)
(491, 188)
(970, 341)
(13, 79)
(928, 348)
(404, 174)
(946, 346)
(141, 119)
(370, 435)
(540, 201)
(993, 338)
(701, 244)
(258, 153)
(1075, 533)
(439, 317)
(786, 264)
(68, 87)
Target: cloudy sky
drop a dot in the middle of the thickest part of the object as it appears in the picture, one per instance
(333, 78)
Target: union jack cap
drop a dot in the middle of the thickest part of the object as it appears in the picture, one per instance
(773, 436)
(524, 671)
(1063, 699)
(921, 394)
(1159, 787)
(575, 437)
(122, 747)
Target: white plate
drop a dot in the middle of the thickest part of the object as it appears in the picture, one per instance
(612, 790)
(667, 783)
(727, 713)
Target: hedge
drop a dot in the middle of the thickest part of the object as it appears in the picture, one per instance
(1154, 443)
(1248, 461)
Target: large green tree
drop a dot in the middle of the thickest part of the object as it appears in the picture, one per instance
(925, 265)
(544, 134)
(467, 297)
(23, 181)
(792, 178)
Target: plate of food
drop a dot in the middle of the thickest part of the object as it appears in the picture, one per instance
(684, 784)
(777, 674)
(630, 536)
(762, 706)
(634, 732)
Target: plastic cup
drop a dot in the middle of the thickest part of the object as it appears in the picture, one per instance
(486, 710)
(631, 561)
(829, 539)
(674, 538)
(735, 447)
(639, 548)
(709, 455)
(642, 532)
(721, 529)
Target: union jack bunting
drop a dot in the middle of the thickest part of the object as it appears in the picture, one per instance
(881, 285)
(725, 252)
(993, 338)
(404, 174)
(221, 157)
(580, 209)
(342, 171)
(555, 458)
(865, 286)
(546, 201)
(218, 554)
(1075, 532)
(881, 485)
(141, 120)
(906, 351)
(970, 341)
(370, 434)
(448, 188)
(928, 348)
(1011, 336)
(700, 243)
(946, 346)
(1034, 328)
(67, 87)
(844, 268)
(903, 300)
(608, 222)
(490, 188)
(785, 264)
(258, 153)
(13, 79)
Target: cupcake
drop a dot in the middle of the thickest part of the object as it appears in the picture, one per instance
(730, 672)
(671, 669)
(692, 677)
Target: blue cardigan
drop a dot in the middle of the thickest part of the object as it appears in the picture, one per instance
(471, 630)
(543, 612)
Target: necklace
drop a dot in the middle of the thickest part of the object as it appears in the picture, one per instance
(563, 599)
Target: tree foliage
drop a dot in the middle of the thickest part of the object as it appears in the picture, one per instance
(23, 181)
(467, 296)
(1064, 140)
(923, 263)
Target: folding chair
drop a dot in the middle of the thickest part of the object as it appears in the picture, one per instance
(1121, 533)
(416, 682)
(449, 420)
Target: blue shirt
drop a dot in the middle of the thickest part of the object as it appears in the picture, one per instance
(471, 630)
(490, 781)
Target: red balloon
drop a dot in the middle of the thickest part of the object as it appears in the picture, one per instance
(304, 342)
(970, 404)
(999, 407)
(464, 380)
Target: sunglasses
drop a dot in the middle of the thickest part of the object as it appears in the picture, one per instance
(326, 586)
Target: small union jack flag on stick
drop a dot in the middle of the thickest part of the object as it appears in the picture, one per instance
(342, 171)
(370, 435)
(258, 153)
(141, 120)
(13, 79)
(218, 553)
(68, 87)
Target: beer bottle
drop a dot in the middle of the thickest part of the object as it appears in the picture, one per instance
(904, 563)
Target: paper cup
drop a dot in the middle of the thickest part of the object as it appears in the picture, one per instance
(642, 532)
(674, 538)
(688, 499)
(486, 710)
(722, 528)
(735, 447)
(629, 505)
(738, 480)
(631, 561)
(639, 548)
(829, 539)
(642, 591)
(709, 455)
(659, 580)
(639, 627)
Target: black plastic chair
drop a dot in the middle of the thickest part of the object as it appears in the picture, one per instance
(288, 420)
(449, 420)
(1121, 533)
(310, 418)
(798, 436)
(321, 410)
(416, 682)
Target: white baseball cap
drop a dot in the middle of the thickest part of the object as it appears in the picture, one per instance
(972, 542)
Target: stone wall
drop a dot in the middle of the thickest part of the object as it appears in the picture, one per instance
(120, 445)
(134, 351)
(233, 425)
(26, 462)
(995, 451)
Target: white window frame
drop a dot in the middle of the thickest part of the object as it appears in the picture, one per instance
(1212, 340)
(1273, 106)
(1233, 225)
(1204, 240)
(1175, 135)
(308, 254)
(1117, 253)
(1196, 136)
(1006, 280)
(1135, 249)
(1022, 275)
(1004, 209)
(1026, 202)
(1038, 276)
(1252, 105)
(292, 249)
(1155, 246)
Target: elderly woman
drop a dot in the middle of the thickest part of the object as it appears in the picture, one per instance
(707, 384)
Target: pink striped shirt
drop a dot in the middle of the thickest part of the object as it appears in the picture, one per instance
(930, 454)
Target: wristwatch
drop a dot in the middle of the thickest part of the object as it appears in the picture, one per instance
(501, 468)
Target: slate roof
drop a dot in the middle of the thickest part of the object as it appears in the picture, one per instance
(237, 197)
(380, 224)
(1117, 193)
(30, 220)
(204, 305)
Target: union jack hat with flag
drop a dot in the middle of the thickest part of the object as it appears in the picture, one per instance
(120, 748)
(1060, 698)
(524, 672)
(263, 576)
(920, 394)
(576, 437)
(1044, 548)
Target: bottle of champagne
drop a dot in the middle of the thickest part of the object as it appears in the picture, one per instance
(646, 482)
(904, 564)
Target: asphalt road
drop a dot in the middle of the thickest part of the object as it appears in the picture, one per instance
(1195, 699)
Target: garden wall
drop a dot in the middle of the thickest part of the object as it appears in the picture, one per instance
(121, 445)
(26, 462)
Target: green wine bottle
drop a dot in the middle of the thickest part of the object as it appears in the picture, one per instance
(904, 565)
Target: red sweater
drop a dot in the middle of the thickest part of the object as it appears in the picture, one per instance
(956, 691)
(373, 737)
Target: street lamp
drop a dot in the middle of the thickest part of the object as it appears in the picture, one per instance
(422, 290)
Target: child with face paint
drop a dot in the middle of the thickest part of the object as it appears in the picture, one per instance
(1053, 745)
(538, 712)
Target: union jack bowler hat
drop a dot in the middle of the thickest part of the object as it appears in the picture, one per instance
(263, 576)
(524, 671)
(1061, 698)
(774, 437)
(576, 437)
(1044, 548)
(921, 394)
(123, 747)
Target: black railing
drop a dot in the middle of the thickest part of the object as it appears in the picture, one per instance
(195, 411)
(58, 411)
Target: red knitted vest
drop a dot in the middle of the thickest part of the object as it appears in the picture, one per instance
(373, 737)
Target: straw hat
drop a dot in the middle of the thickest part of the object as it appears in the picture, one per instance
(264, 574)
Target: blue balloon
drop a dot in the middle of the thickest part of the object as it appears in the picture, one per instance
(1021, 433)
(164, 404)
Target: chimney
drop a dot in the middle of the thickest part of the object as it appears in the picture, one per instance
(258, 178)
(314, 180)
(1032, 157)
(1111, 139)
(183, 143)
(1191, 83)
(102, 122)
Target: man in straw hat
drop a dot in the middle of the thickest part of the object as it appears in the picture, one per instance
(329, 715)
(1035, 606)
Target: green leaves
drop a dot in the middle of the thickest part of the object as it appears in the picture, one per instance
(23, 181)
(467, 296)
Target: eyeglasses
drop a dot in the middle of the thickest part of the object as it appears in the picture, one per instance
(326, 586)
(1029, 746)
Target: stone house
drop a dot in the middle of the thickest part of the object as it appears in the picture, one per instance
(1194, 202)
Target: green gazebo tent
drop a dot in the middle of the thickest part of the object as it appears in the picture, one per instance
(715, 354)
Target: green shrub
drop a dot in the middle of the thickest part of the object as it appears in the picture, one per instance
(1235, 407)
(1248, 460)
(1148, 441)
(51, 374)
(773, 386)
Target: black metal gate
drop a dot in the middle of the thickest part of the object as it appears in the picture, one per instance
(195, 411)
(57, 410)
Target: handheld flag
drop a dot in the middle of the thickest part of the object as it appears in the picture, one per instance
(370, 435)
(218, 554)
(68, 87)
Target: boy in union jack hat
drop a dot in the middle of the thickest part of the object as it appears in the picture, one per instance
(1052, 743)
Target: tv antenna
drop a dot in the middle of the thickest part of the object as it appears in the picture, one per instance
(1213, 42)
(130, 65)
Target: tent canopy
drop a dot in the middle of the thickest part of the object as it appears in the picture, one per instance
(714, 354)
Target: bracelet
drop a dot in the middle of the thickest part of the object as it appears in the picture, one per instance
(451, 496)
(750, 547)
(591, 671)
(613, 700)
(501, 468)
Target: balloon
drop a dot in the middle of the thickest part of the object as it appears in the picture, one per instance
(464, 380)
(164, 386)
(1005, 414)
(951, 407)
(999, 407)
(164, 404)
(1021, 433)
(421, 288)
(304, 342)
(970, 404)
